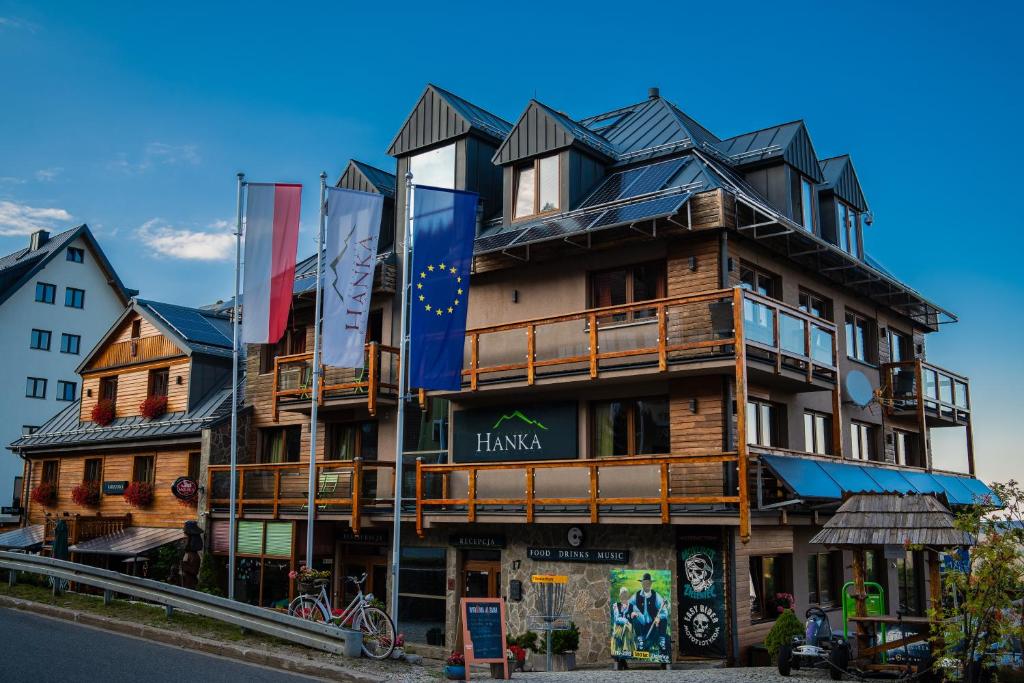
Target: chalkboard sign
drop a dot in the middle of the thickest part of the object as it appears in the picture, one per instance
(483, 631)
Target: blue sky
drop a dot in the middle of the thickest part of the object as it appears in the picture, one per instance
(134, 117)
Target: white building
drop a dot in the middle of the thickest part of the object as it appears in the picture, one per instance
(57, 297)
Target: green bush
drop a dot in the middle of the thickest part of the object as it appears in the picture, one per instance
(786, 627)
(527, 641)
(209, 581)
(567, 640)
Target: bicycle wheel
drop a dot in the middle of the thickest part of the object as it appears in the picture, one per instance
(309, 608)
(378, 632)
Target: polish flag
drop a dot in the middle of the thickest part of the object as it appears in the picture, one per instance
(271, 236)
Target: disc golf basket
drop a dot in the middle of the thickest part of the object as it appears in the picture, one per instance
(551, 617)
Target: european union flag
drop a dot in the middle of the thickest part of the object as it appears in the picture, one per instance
(444, 225)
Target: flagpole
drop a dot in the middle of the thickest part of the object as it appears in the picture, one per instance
(403, 389)
(311, 502)
(232, 534)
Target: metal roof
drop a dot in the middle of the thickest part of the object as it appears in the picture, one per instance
(841, 178)
(790, 141)
(66, 429)
(541, 129)
(439, 116)
(476, 116)
(197, 327)
(24, 538)
(129, 542)
(381, 180)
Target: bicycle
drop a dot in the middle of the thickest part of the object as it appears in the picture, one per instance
(374, 623)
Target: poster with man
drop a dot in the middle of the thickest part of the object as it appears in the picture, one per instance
(640, 619)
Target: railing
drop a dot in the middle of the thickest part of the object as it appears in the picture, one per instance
(293, 378)
(343, 486)
(656, 491)
(85, 528)
(658, 333)
(918, 386)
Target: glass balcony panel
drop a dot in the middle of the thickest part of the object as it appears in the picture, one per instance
(821, 345)
(945, 388)
(930, 384)
(759, 321)
(791, 331)
(960, 395)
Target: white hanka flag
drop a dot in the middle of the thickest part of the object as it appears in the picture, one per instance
(271, 236)
(353, 226)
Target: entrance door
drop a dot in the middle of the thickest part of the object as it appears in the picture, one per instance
(481, 579)
(376, 579)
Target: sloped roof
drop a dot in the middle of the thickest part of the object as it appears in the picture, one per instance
(790, 141)
(129, 542)
(24, 538)
(841, 178)
(204, 331)
(439, 116)
(866, 520)
(65, 429)
(541, 129)
(20, 266)
(377, 179)
(650, 128)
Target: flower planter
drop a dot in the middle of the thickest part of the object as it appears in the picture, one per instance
(559, 662)
(454, 672)
(311, 587)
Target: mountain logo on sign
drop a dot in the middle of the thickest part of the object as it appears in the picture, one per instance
(518, 416)
(507, 441)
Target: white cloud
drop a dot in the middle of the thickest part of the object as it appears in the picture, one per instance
(158, 154)
(211, 244)
(46, 175)
(22, 219)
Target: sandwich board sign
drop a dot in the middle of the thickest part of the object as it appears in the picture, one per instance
(483, 632)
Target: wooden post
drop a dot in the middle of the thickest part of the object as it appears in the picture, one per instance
(374, 380)
(357, 477)
(860, 593)
(922, 418)
(273, 392)
(837, 403)
(531, 353)
(593, 345)
(419, 496)
(474, 359)
(808, 351)
(777, 338)
(529, 494)
(662, 339)
(969, 431)
(741, 413)
(471, 496)
(594, 484)
(277, 489)
(934, 579)
(665, 512)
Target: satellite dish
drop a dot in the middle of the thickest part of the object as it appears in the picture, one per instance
(858, 388)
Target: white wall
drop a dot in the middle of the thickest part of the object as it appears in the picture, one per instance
(18, 316)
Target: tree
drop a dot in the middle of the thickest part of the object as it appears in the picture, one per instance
(785, 628)
(977, 615)
(209, 580)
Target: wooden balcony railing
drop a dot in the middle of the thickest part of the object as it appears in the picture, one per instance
(293, 378)
(343, 487)
(658, 332)
(139, 350)
(85, 528)
(531, 498)
(919, 386)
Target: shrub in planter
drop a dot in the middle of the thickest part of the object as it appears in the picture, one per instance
(455, 667)
(564, 644)
(153, 407)
(786, 627)
(44, 493)
(87, 493)
(104, 412)
(139, 494)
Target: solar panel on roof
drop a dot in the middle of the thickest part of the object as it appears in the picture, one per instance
(192, 324)
(655, 178)
(652, 208)
(613, 187)
(558, 227)
(498, 241)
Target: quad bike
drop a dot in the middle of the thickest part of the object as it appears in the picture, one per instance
(817, 648)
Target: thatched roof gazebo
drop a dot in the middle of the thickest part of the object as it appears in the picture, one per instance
(890, 519)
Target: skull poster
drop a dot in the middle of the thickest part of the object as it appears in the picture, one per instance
(641, 602)
(702, 599)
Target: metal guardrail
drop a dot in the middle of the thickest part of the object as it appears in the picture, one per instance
(320, 636)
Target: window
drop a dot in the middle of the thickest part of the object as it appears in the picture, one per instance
(46, 293)
(51, 470)
(807, 204)
(35, 387)
(434, 168)
(769, 576)
(822, 578)
(291, 343)
(757, 280)
(144, 468)
(67, 391)
(74, 298)
(764, 423)
(108, 388)
(193, 466)
(40, 340)
(537, 187)
(70, 343)
(909, 573)
(422, 585)
(346, 441)
(906, 449)
(862, 438)
(280, 444)
(26, 430)
(93, 470)
(815, 304)
(899, 346)
(136, 329)
(859, 338)
(76, 255)
(847, 224)
(628, 285)
(629, 427)
(817, 433)
(158, 381)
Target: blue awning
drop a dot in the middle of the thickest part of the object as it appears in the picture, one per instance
(829, 480)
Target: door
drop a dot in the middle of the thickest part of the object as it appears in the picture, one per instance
(481, 579)
(376, 579)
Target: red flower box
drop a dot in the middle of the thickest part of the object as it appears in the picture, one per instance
(87, 493)
(139, 494)
(44, 493)
(153, 407)
(104, 412)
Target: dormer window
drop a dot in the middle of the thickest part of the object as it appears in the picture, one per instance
(847, 224)
(537, 187)
(807, 204)
(434, 168)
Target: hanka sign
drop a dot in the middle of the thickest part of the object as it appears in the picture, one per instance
(185, 488)
(534, 432)
(483, 632)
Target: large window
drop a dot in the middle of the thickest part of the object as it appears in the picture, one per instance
(823, 578)
(860, 338)
(899, 346)
(847, 228)
(764, 423)
(347, 441)
(769, 576)
(435, 168)
(159, 378)
(74, 298)
(35, 387)
(815, 304)
(630, 427)
(108, 388)
(631, 284)
(40, 340)
(45, 293)
(807, 204)
(93, 470)
(67, 391)
(906, 448)
(862, 439)
(760, 281)
(291, 343)
(537, 187)
(422, 586)
(51, 470)
(144, 468)
(817, 432)
(280, 444)
(70, 343)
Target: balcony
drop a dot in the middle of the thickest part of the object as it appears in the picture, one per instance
(84, 528)
(697, 332)
(293, 381)
(918, 389)
(346, 490)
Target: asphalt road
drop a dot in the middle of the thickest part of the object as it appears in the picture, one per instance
(40, 650)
